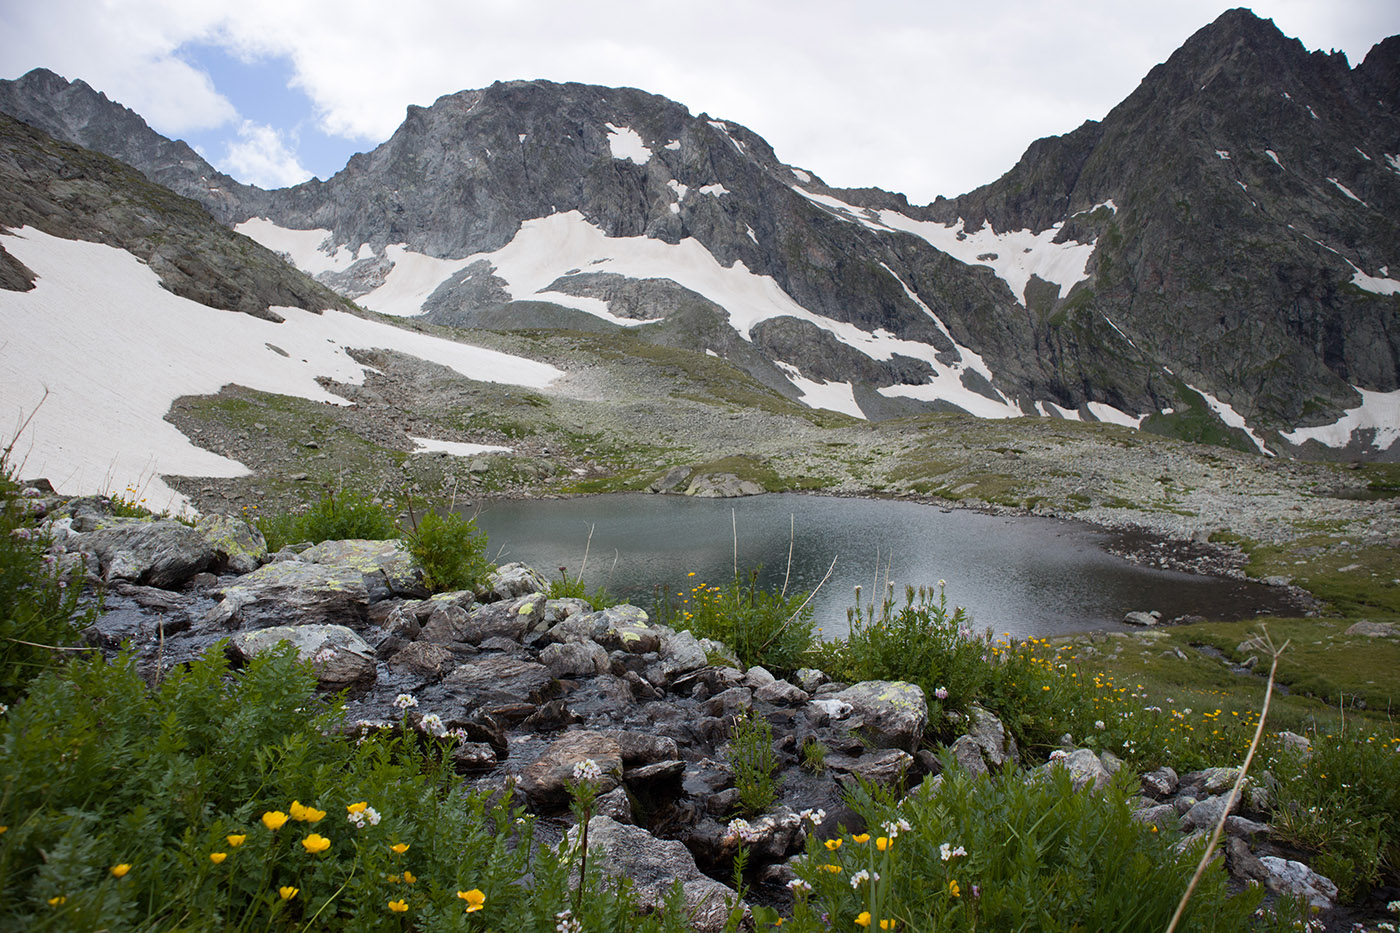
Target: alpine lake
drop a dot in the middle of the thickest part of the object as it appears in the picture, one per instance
(1015, 575)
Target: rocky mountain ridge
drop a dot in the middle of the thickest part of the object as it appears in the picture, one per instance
(1210, 261)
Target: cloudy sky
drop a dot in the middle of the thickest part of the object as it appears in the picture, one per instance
(927, 97)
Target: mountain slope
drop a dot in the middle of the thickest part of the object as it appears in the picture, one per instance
(1212, 260)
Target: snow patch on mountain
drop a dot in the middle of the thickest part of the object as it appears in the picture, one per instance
(1347, 191)
(413, 278)
(626, 143)
(310, 250)
(832, 396)
(1108, 413)
(1378, 413)
(455, 448)
(127, 348)
(1273, 155)
(714, 191)
(1231, 418)
(1377, 285)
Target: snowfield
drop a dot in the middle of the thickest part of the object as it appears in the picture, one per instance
(113, 350)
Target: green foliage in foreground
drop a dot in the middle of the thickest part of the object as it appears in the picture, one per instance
(134, 809)
(39, 599)
(763, 627)
(598, 598)
(337, 517)
(451, 551)
(1005, 853)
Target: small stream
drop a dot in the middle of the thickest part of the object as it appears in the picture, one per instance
(1020, 575)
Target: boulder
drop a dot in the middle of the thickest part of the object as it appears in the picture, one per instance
(383, 563)
(890, 714)
(506, 619)
(508, 687)
(998, 747)
(681, 653)
(293, 592)
(624, 628)
(447, 625)
(1084, 768)
(889, 767)
(425, 661)
(342, 660)
(1294, 879)
(575, 659)
(653, 866)
(155, 553)
(545, 782)
(781, 693)
(1160, 783)
(510, 581)
(1205, 813)
(1143, 618)
(238, 546)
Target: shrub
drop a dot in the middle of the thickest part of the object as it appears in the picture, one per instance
(1004, 853)
(763, 627)
(451, 551)
(752, 757)
(40, 600)
(336, 517)
(565, 588)
(1343, 802)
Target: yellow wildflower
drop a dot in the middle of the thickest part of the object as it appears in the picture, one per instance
(274, 819)
(235, 840)
(409, 876)
(315, 843)
(888, 924)
(834, 869)
(398, 906)
(833, 844)
(863, 919)
(863, 838)
(399, 848)
(474, 898)
(305, 814)
(953, 888)
(288, 892)
(218, 857)
(357, 807)
(119, 871)
(883, 843)
(57, 901)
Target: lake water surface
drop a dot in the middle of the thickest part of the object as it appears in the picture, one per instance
(1017, 575)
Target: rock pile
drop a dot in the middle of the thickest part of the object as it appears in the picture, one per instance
(527, 687)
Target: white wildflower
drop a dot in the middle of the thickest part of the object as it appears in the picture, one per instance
(798, 886)
(405, 701)
(815, 817)
(1098, 724)
(941, 693)
(895, 828)
(432, 724)
(1059, 754)
(863, 876)
(568, 923)
(588, 770)
(946, 851)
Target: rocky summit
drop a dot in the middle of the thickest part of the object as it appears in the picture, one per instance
(1211, 261)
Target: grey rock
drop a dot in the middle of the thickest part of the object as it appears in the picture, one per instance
(680, 653)
(643, 747)
(810, 679)
(238, 546)
(625, 628)
(653, 866)
(546, 781)
(1143, 618)
(1084, 768)
(156, 553)
(781, 693)
(506, 619)
(1372, 629)
(293, 592)
(1161, 782)
(756, 677)
(447, 625)
(1295, 879)
(557, 610)
(509, 687)
(888, 767)
(968, 754)
(1206, 813)
(1162, 815)
(510, 581)
(474, 756)
(425, 661)
(384, 563)
(341, 659)
(722, 486)
(575, 659)
(1294, 742)
(998, 747)
(616, 804)
(893, 714)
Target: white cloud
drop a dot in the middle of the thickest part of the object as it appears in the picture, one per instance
(261, 157)
(922, 96)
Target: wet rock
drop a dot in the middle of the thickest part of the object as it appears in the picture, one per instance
(643, 747)
(426, 662)
(342, 660)
(510, 687)
(474, 756)
(546, 781)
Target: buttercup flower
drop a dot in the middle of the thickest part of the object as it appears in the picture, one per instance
(315, 843)
(357, 807)
(834, 869)
(888, 924)
(953, 888)
(409, 877)
(863, 919)
(399, 848)
(833, 844)
(305, 814)
(288, 892)
(236, 839)
(274, 819)
(57, 901)
(474, 898)
(119, 871)
(218, 857)
(863, 838)
(398, 906)
(883, 843)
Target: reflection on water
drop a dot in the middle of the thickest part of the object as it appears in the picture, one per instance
(1022, 575)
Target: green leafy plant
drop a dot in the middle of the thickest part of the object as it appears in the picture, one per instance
(814, 755)
(754, 762)
(451, 551)
(41, 602)
(566, 588)
(762, 626)
(337, 517)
